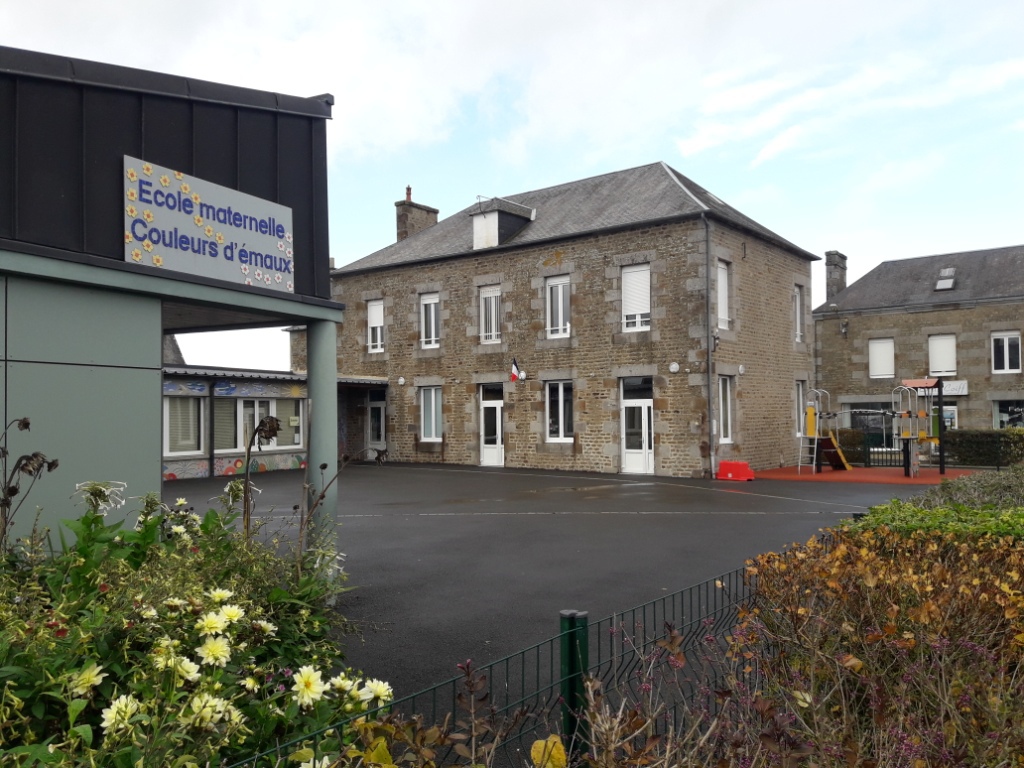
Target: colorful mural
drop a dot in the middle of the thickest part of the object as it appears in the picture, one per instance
(235, 388)
(232, 465)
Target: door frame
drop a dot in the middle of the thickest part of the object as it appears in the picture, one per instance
(634, 461)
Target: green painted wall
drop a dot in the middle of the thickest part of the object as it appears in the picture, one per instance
(84, 364)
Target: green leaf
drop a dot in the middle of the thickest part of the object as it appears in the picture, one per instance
(75, 709)
(12, 671)
(303, 755)
(75, 526)
(84, 732)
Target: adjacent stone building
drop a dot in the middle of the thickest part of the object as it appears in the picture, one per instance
(956, 315)
(654, 329)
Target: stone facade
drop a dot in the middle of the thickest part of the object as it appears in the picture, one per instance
(756, 347)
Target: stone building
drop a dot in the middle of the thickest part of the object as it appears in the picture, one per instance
(956, 315)
(655, 330)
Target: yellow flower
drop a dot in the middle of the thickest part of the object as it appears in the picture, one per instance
(148, 246)
(120, 711)
(548, 753)
(211, 624)
(265, 627)
(86, 680)
(198, 220)
(131, 174)
(179, 176)
(186, 669)
(185, 188)
(181, 502)
(132, 194)
(132, 211)
(251, 684)
(196, 198)
(342, 683)
(158, 260)
(219, 595)
(309, 686)
(232, 613)
(208, 231)
(165, 180)
(147, 169)
(215, 652)
(207, 711)
(220, 237)
(376, 689)
(127, 236)
(136, 254)
(148, 216)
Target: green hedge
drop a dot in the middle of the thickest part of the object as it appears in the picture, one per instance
(985, 447)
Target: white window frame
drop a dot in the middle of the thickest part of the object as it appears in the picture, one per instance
(1006, 340)
(244, 430)
(490, 314)
(881, 358)
(942, 352)
(563, 394)
(430, 320)
(722, 293)
(798, 313)
(557, 291)
(801, 404)
(375, 326)
(431, 415)
(200, 425)
(725, 411)
(636, 298)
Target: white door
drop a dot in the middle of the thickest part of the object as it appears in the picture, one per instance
(492, 449)
(376, 439)
(637, 437)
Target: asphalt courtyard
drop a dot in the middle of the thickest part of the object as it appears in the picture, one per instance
(455, 563)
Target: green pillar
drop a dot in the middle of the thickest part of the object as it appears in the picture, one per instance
(322, 362)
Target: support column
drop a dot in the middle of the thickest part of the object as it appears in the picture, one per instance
(322, 365)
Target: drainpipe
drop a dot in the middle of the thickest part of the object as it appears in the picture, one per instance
(710, 342)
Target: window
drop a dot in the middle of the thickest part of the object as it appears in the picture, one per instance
(431, 425)
(430, 320)
(183, 417)
(798, 312)
(559, 411)
(636, 297)
(942, 355)
(1006, 352)
(801, 405)
(375, 325)
(725, 409)
(235, 420)
(881, 358)
(490, 314)
(557, 320)
(1007, 413)
(723, 294)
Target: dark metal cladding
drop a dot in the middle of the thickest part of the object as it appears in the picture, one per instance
(66, 124)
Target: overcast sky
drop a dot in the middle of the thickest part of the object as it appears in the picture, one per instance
(883, 130)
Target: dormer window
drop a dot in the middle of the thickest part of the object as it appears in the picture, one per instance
(947, 278)
(496, 221)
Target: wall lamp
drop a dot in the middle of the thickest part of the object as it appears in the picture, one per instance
(844, 327)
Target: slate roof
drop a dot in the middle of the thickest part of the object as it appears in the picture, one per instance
(989, 275)
(638, 196)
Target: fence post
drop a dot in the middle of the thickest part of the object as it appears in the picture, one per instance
(575, 660)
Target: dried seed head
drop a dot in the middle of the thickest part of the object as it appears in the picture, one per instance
(268, 427)
(52, 465)
(33, 465)
(23, 424)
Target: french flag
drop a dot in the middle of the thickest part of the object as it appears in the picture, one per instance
(515, 371)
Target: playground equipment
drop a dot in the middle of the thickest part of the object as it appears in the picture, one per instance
(818, 441)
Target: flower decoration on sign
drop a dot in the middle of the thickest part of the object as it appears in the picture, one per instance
(248, 281)
(148, 246)
(132, 194)
(165, 180)
(148, 216)
(220, 238)
(277, 278)
(131, 211)
(136, 254)
(158, 260)
(185, 188)
(147, 169)
(179, 176)
(259, 274)
(131, 174)
(290, 286)
(127, 236)
(267, 280)
(198, 220)
(208, 231)
(196, 198)
(289, 252)
(245, 269)
(280, 245)
(288, 236)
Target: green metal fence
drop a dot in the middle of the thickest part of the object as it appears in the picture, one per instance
(540, 690)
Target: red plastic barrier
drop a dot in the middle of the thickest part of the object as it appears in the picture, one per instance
(734, 470)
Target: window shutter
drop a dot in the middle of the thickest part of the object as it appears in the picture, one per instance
(723, 294)
(881, 358)
(375, 313)
(942, 355)
(225, 423)
(636, 289)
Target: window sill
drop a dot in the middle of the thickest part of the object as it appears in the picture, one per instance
(429, 446)
(632, 337)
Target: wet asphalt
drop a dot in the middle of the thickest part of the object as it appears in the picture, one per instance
(455, 563)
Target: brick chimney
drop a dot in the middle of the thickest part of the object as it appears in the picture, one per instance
(412, 217)
(835, 273)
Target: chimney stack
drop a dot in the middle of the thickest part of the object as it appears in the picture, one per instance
(835, 273)
(412, 217)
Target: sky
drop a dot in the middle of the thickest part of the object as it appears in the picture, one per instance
(883, 130)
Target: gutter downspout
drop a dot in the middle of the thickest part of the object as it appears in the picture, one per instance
(710, 342)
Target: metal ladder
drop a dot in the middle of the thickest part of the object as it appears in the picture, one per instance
(808, 456)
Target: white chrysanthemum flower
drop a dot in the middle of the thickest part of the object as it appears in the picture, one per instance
(121, 710)
(323, 762)
(178, 529)
(309, 686)
(377, 689)
(181, 502)
(206, 711)
(86, 680)
(215, 652)
(341, 683)
(211, 623)
(219, 595)
(251, 684)
(149, 612)
(174, 603)
(232, 613)
(265, 627)
(186, 669)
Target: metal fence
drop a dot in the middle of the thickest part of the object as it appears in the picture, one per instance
(540, 690)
